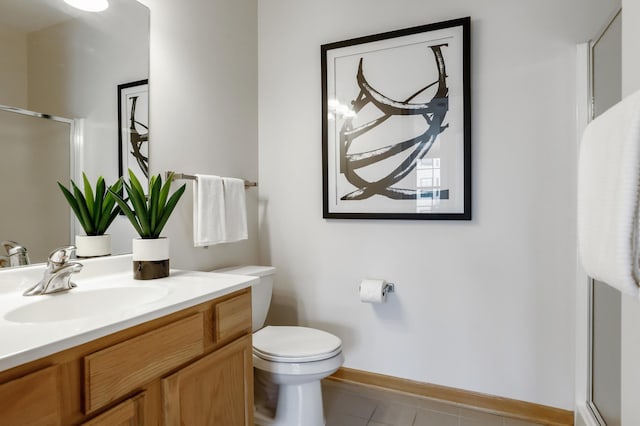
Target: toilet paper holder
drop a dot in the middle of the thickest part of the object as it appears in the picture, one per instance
(388, 288)
(375, 290)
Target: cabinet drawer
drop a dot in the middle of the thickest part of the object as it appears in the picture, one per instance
(120, 369)
(233, 317)
(31, 400)
(127, 413)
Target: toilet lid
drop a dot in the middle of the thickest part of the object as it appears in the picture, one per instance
(295, 344)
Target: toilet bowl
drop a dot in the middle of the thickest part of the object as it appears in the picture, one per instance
(289, 360)
(296, 359)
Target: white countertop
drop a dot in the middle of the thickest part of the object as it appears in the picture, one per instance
(21, 342)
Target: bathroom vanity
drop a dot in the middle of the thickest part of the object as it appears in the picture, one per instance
(184, 357)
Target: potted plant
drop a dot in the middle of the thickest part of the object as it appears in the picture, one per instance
(95, 210)
(149, 214)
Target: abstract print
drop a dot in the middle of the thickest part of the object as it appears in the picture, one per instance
(433, 112)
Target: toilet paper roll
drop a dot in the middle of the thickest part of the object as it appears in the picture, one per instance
(373, 291)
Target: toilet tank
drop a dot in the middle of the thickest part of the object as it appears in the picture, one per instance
(260, 291)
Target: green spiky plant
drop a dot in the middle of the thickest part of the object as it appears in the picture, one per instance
(95, 210)
(148, 214)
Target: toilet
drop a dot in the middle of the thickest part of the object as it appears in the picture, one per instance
(291, 359)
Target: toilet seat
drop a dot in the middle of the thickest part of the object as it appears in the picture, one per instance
(295, 344)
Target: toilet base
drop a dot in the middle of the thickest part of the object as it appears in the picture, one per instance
(300, 404)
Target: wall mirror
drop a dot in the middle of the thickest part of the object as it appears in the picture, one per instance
(60, 70)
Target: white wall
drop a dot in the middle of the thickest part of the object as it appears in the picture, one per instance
(630, 371)
(485, 305)
(203, 110)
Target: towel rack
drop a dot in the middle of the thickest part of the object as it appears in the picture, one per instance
(176, 176)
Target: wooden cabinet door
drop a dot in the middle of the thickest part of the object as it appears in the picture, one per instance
(215, 390)
(127, 413)
(31, 400)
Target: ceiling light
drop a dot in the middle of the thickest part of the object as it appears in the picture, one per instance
(89, 5)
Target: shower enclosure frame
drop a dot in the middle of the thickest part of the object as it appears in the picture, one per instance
(587, 413)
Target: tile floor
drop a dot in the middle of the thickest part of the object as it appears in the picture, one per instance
(353, 405)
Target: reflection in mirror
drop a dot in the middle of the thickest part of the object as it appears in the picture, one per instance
(35, 153)
(62, 62)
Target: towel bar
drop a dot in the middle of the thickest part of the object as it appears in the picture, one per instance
(176, 176)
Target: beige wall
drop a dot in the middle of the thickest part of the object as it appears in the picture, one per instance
(29, 168)
(630, 37)
(33, 211)
(13, 67)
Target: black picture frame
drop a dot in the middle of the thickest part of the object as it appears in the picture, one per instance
(133, 129)
(396, 124)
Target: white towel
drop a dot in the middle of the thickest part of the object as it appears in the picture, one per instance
(208, 211)
(608, 185)
(235, 210)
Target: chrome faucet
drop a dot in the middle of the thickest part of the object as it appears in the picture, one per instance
(16, 254)
(57, 275)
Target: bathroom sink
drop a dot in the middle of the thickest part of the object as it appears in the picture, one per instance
(77, 304)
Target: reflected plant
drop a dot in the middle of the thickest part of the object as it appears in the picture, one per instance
(95, 210)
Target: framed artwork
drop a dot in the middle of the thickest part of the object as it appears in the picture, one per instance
(396, 124)
(133, 123)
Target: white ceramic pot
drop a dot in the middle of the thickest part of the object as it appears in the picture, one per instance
(150, 258)
(93, 245)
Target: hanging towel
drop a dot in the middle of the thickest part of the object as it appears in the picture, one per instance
(208, 211)
(608, 185)
(235, 210)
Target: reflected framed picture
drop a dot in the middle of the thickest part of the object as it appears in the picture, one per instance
(133, 125)
(396, 124)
